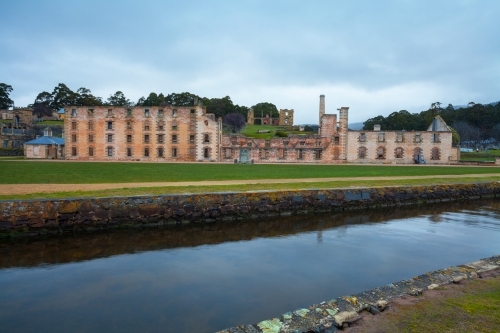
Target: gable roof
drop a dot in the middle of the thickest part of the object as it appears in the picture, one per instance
(46, 140)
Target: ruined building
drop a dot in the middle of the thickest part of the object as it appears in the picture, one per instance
(16, 127)
(285, 118)
(171, 133)
(159, 133)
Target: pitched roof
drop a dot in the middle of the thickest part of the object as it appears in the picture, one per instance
(46, 140)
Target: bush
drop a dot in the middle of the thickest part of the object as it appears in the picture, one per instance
(281, 134)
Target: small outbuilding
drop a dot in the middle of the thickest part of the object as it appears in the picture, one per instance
(45, 147)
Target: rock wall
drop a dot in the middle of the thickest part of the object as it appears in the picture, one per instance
(36, 217)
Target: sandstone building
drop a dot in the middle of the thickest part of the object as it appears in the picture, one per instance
(160, 133)
(170, 133)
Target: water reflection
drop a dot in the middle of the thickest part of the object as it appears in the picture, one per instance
(202, 278)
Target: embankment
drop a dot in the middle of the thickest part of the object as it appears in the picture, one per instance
(37, 217)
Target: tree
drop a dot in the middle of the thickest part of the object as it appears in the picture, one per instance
(85, 98)
(234, 122)
(5, 101)
(63, 96)
(220, 106)
(263, 109)
(41, 106)
(118, 99)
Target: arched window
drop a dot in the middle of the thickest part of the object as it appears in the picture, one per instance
(362, 152)
(399, 152)
(435, 154)
(381, 153)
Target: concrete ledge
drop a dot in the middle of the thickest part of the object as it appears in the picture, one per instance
(331, 316)
(39, 217)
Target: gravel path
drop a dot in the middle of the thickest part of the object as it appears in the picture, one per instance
(9, 189)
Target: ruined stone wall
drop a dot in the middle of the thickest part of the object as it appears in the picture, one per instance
(35, 151)
(250, 117)
(399, 147)
(33, 217)
(286, 117)
(166, 133)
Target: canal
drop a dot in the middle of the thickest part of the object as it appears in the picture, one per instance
(204, 278)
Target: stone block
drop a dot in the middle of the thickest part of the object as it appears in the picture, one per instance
(68, 207)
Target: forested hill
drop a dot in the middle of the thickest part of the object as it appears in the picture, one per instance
(472, 122)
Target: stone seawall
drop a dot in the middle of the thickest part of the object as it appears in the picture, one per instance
(36, 217)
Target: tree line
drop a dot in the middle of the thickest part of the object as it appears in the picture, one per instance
(46, 102)
(474, 123)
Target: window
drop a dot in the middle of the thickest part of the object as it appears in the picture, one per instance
(206, 138)
(435, 154)
(302, 143)
(174, 113)
(109, 151)
(263, 154)
(362, 152)
(399, 137)
(161, 126)
(317, 154)
(73, 151)
(146, 113)
(418, 137)
(146, 126)
(174, 152)
(192, 128)
(90, 113)
(362, 137)
(91, 138)
(206, 152)
(192, 112)
(174, 138)
(146, 152)
(91, 151)
(381, 153)
(109, 138)
(435, 138)
(398, 152)
(160, 152)
(129, 152)
(174, 126)
(161, 114)
(129, 112)
(129, 138)
(73, 137)
(381, 137)
(191, 152)
(73, 113)
(281, 154)
(91, 126)
(110, 125)
(146, 138)
(161, 138)
(73, 125)
(336, 140)
(191, 138)
(228, 153)
(109, 113)
(300, 154)
(129, 125)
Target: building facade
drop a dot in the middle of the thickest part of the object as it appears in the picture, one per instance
(160, 133)
(16, 127)
(188, 134)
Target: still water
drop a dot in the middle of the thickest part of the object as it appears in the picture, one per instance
(203, 278)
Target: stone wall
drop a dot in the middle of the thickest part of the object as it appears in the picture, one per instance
(11, 152)
(34, 217)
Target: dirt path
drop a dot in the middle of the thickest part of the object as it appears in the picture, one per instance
(9, 189)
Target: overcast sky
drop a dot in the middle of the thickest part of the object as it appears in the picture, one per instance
(375, 57)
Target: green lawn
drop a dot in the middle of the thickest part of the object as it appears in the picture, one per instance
(481, 156)
(251, 131)
(38, 172)
(51, 123)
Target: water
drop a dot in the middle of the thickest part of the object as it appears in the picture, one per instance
(203, 278)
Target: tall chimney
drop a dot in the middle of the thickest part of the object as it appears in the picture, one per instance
(321, 107)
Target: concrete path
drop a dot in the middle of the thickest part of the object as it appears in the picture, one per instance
(10, 189)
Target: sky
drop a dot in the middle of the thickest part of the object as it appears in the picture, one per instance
(375, 57)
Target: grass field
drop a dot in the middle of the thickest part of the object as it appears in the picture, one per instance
(475, 309)
(51, 122)
(480, 156)
(46, 172)
(252, 131)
